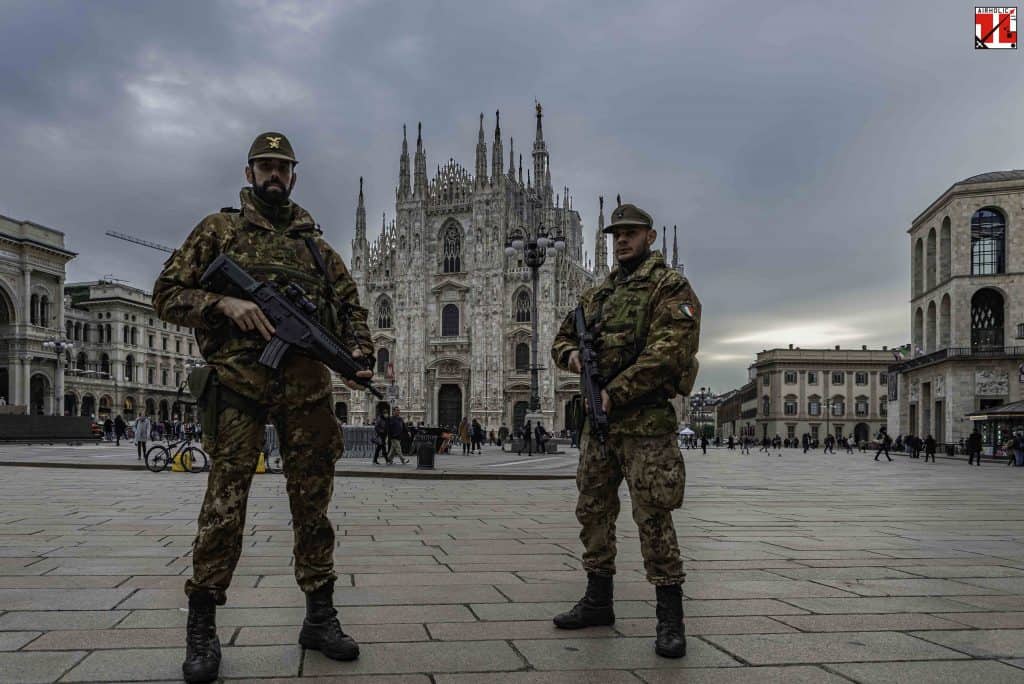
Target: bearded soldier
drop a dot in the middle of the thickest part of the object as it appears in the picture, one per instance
(272, 238)
(646, 320)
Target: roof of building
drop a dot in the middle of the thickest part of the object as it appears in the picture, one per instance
(994, 176)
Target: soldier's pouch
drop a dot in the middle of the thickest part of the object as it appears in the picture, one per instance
(657, 472)
(202, 383)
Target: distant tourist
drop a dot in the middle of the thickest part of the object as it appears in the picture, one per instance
(141, 428)
(974, 448)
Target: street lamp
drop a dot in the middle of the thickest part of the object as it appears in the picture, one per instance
(59, 345)
(535, 251)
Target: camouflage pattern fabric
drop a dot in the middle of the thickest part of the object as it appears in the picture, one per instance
(655, 474)
(653, 316)
(268, 253)
(311, 443)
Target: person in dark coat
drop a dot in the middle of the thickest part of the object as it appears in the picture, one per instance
(119, 429)
(380, 437)
(929, 448)
(884, 441)
(974, 447)
(541, 436)
(807, 442)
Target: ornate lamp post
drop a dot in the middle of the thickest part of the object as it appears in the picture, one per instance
(59, 345)
(535, 251)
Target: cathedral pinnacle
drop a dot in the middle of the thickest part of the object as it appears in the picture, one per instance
(404, 185)
(675, 247)
(600, 244)
(481, 156)
(497, 154)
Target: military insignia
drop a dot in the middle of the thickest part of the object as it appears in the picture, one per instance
(687, 310)
(274, 141)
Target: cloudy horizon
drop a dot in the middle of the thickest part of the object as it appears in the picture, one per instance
(791, 143)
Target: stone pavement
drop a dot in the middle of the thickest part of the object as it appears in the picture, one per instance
(802, 568)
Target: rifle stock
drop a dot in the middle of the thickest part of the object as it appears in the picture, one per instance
(590, 379)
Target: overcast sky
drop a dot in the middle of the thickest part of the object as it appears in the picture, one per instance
(792, 142)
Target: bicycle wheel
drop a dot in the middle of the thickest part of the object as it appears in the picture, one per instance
(275, 464)
(196, 458)
(158, 458)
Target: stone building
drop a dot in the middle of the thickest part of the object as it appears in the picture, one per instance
(966, 308)
(821, 391)
(32, 268)
(450, 312)
(736, 412)
(125, 359)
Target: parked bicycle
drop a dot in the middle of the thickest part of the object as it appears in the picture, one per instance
(160, 457)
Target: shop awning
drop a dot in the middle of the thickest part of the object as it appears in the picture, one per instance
(1012, 411)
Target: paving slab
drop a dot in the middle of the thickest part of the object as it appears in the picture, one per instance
(797, 674)
(981, 643)
(617, 653)
(774, 649)
(892, 622)
(165, 664)
(578, 677)
(477, 656)
(30, 668)
(940, 672)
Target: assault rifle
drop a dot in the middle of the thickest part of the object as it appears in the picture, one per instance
(591, 378)
(289, 312)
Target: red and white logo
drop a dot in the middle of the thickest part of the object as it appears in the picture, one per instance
(995, 27)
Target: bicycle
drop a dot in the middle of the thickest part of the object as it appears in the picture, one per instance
(160, 457)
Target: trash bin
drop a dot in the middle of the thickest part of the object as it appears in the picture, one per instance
(950, 449)
(424, 445)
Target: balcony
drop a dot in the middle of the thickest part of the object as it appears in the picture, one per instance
(981, 352)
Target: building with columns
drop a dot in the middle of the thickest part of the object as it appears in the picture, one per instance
(966, 309)
(821, 391)
(450, 312)
(32, 267)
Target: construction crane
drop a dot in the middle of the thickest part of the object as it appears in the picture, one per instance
(140, 241)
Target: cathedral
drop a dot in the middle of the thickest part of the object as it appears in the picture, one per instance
(450, 312)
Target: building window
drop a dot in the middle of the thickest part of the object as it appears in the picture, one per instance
(986, 319)
(838, 407)
(190, 349)
(452, 250)
(883, 407)
(177, 378)
(814, 407)
(790, 431)
(522, 357)
(383, 359)
(838, 377)
(163, 341)
(860, 406)
(814, 432)
(988, 234)
(450, 321)
(789, 407)
(85, 332)
(80, 361)
(522, 309)
(151, 342)
(163, 376)
(883, 378)
(765, 379)
(129, 369)
(177, 346)
(790, 378)
(151, 376)
(105, 364)
(384, 313)
(812, 377)
(765, 406)
(33, 313)
(839, 431)
(861, 378)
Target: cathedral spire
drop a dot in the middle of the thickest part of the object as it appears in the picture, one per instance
(520, 169)
(361, 214)
(404, 185)
(675, 246)
(540, 155)
(600, 244)
(420, 187)
(664, 252)
(481, 156)
(511, 159)
(497, 153)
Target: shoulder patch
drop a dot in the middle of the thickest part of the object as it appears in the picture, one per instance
(687, 310)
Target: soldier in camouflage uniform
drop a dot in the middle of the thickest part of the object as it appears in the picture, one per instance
(273, 238)
(647, 322)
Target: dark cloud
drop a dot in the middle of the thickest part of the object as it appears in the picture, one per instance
(791, 144)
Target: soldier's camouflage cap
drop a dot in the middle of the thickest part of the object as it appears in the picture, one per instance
(272, 146)
(629, 215)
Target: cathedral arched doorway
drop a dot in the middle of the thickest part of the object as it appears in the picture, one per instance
(861, 433)
(341, 411)
(38, 391)
(519, 411)
(449, 406)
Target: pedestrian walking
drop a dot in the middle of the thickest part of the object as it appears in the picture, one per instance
(465, 435)
(396, 430)
(884, 442)
(846, 443)
(477, 437)
(380, 437)
(765, 443)
(745, 445)
(108, 430)
(704, 444)
(140, 431)
(541, 437)
(830, 444)
(502, 434)
(642, 446)
(929, 448)
(271, 232)
(807, 442)
(119, 429)
(974, 447)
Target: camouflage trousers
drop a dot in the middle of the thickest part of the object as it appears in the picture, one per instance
(311, 442)
(655, 474)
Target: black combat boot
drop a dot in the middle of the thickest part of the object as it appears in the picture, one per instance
(671, 641)
(594, 609)
(321, 630)
(202, 647)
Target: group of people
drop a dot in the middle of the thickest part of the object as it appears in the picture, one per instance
(274, 236)
(146, 428)
(389, 433)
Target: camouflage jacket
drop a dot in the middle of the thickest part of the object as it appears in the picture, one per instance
(267, 253)
(648, 330)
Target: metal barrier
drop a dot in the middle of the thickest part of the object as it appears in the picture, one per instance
(358, 441)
